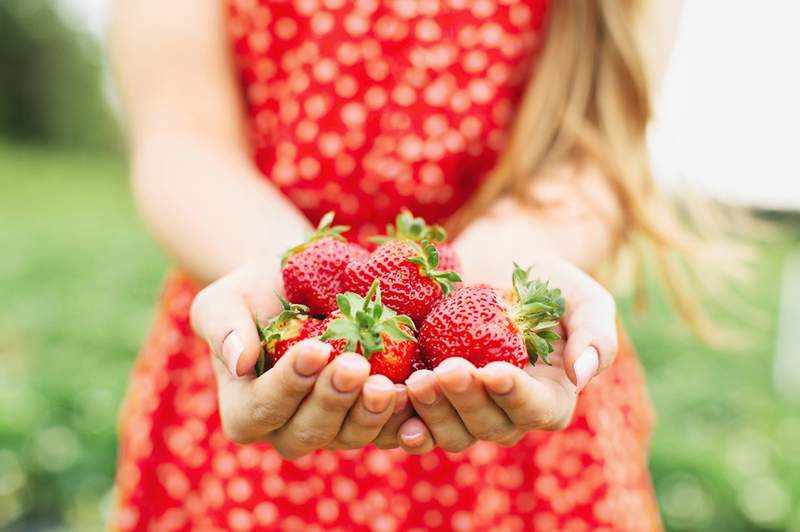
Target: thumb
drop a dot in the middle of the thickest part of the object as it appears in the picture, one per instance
(223, 319)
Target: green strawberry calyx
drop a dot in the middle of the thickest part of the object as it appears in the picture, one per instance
(323, 230)
(285, 325)
(537, 310)
(408, 227)
(427, 258)
(365, 320)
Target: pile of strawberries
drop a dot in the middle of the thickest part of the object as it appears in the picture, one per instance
(404, 306)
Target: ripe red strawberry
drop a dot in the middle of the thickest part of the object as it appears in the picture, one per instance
(312, 271)
(476, 323)
(364, 325)
(409, 277)
(448, 258)
(292, 325)
(408, 227)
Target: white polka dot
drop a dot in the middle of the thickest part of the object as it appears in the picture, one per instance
(265, 513)
(327, 510)
(322, 23)
(240, 520)
(325, 70)
(286, 28)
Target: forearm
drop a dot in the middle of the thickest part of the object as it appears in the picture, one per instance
(208, 206)
(576, 217)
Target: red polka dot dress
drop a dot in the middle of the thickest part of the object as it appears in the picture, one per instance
(365, 107)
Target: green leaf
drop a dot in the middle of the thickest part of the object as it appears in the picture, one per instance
(344, 304)
(396, 332)
(410, 228)
(326, 220)
(364, 320)
(371, 342)
(405, 320)
(341, 328)
(550, 336)
(323, 230)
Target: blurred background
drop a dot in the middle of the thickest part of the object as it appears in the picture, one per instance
(78, 273)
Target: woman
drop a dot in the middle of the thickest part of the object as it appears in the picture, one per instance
(518, 124)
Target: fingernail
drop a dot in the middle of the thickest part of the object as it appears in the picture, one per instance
(413, 439)
(586, 367)
(311, 357)
(350, 372)
(232, 349)
(423, 386)
(401, 398)
(377, 396)
(454, 375)
(497, 379)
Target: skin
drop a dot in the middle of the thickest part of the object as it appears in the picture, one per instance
(171, 60)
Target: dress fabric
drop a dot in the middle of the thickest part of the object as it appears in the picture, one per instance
(365, 107)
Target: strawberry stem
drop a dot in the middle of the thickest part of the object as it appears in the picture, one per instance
(365, 320)
(408, 227)
(427, 258)
(322, 230)
(275, 329)
(536, 312)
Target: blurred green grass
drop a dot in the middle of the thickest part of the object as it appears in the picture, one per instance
(78, 278)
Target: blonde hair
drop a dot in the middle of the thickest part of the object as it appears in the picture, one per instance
(589, 99)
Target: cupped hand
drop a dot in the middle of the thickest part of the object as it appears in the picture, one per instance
(302, 403)
(458, 404)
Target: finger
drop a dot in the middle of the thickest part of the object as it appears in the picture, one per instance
(592, 342)
(319, 418)
(372, 410)
(221, 317)
(414, 437)
(388, 438)
(479, 413)
(437, 413)
(531, 402)
(251, 408)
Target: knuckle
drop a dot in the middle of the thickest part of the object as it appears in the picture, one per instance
(234, 433)
(556, 425)
(386, 444)
(436, 416)
(458, 445)
(540, 420)
(312, 437)
(491, 433)
(267, 416)
(510, 441)
(470, 408)
(348, 442)
(515, 402)
(289, 452)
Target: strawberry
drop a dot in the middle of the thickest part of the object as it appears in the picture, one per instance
(408, 273)
(476, 323)
(418, 363)
(312, 271)
(365, 325)
(289, 327)
(448, 258)
(408, 227)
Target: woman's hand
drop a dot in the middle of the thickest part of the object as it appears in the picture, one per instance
(500, 402)
(302, 403)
